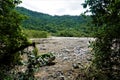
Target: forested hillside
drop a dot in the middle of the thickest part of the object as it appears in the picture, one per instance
(56, 25)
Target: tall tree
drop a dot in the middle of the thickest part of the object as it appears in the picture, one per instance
(11, 36)
(106, 16)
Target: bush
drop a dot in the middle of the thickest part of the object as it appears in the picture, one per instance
(36, 34)
(71, 33)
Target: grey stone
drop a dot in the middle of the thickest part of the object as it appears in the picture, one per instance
(75, 66)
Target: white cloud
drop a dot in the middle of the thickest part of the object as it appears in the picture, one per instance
(55, 7)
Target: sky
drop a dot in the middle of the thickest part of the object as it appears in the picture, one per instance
(55, 7)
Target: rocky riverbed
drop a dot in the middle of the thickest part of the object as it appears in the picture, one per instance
(71, 54)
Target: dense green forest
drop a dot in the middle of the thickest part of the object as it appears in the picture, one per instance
(65, 25)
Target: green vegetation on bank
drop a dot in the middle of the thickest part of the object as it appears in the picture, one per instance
(71, 33)
(36, 34)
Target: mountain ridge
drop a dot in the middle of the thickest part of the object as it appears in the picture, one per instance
(53, 24)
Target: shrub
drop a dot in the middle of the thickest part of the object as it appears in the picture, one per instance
(36, 34)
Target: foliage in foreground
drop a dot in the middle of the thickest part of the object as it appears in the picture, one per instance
(12, 39)
(106, 48)
(32, 65)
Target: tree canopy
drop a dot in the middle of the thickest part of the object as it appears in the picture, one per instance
(11, 35)
(106, 17)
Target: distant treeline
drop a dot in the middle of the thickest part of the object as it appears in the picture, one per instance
(36, 34)
(73, 26)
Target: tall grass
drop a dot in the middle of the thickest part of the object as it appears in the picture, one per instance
(36, 34)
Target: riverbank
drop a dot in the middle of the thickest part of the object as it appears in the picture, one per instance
(72, 54)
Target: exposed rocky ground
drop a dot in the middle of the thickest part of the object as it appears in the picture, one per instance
(71, 55)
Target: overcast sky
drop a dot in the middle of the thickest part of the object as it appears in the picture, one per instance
(55, 7)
